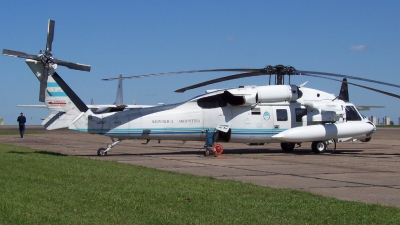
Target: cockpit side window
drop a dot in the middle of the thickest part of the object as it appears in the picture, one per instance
(352, 114)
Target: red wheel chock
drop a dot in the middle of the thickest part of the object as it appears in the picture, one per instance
(217, 149)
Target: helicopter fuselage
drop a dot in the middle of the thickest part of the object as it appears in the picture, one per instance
(248, 114)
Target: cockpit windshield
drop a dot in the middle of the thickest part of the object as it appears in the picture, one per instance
(352, 114)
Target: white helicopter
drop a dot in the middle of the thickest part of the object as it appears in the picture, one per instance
(278, 113)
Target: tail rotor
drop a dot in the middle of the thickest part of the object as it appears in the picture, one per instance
(49, 63)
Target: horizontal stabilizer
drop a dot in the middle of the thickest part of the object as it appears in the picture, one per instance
(33, 106)
(58, 120)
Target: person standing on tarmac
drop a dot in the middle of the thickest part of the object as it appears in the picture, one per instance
(21, 121)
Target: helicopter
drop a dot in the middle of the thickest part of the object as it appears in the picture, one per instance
(275, 113)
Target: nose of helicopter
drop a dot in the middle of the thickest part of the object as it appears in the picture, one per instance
(370, 122)
(373, 126)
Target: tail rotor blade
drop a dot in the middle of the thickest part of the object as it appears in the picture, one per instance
(71, 65)
(50, 35)
(43, 85)
(19, 54)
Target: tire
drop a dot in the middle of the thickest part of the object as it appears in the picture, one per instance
(366, 139)
(101, 152)
(318, 147)
(287, 146)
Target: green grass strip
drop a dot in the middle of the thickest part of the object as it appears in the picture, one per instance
(38, 187)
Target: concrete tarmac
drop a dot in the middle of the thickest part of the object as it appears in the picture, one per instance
(356, 171)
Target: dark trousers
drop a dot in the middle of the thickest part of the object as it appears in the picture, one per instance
(22, 129)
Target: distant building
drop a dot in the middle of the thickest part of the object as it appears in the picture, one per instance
(373, 119)
(2, 121)
(386, 120)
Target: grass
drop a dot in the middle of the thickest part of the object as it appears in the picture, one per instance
(40, 187)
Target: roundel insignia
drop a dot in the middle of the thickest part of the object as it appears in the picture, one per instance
(266, 115)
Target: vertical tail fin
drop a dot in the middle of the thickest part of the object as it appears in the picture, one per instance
(71, 112)
(55, 97)
(344, 91)
(119, 100)
(75, 106)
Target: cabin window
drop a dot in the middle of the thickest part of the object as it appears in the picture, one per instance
(352, 114)
(300, 113)
(281, 115)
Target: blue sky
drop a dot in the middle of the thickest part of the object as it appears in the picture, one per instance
(358, 38)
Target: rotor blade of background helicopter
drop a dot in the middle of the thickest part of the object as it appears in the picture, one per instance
(232, 77)
(180, 72)
(358, 85)
(71, 65)
(345, 76)
(50, 35)
(19, 54)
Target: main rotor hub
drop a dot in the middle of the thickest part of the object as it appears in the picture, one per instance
(279, 71)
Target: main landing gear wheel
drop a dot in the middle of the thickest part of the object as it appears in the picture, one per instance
(287, 146)
(217, 149)
(319, 146)
(101, 152)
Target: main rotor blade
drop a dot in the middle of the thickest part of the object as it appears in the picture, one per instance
(180, 72)
(50, 35)
(358, 85)
(19, 54)
(71, 65)
(345, 76)
(232, 77)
